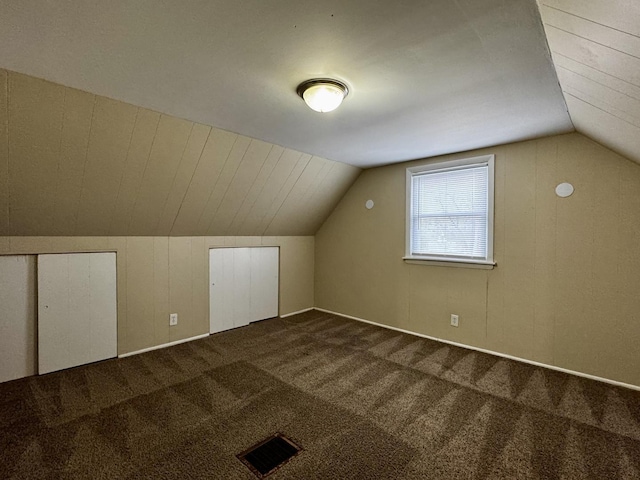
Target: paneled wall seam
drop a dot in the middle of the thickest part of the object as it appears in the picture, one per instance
(319, 186)
(5, 134)
(600, 83)
(286, 197)
(115, 205)
(592, 41)
(262, 167)
(194, 313)
(153, 282)
(235, 140)
(84, 168)
(57, 186)
(266, 211)
(535, 239)
(555, 250)
(596, 69)
(295, 198)
(144, 171)
(240, 227)
(128, 303)
(186, 191)
(226, 188)
(173, 182)
(601, 109)
(8, 134)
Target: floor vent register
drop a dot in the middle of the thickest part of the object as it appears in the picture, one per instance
(270, 454)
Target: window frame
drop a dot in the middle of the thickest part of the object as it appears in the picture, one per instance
(489, 161)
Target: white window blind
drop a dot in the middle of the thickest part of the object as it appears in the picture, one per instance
(450, 213)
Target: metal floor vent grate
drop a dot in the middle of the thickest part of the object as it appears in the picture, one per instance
(270, 454)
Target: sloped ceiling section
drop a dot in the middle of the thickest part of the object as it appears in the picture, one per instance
(595, 46)
(73, 163)
(425, 77)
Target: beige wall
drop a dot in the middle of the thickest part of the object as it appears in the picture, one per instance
(162, 275)
(566, 288)
(73, 163)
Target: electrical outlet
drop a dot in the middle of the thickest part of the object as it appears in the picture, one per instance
(173, 319)
(454, 320)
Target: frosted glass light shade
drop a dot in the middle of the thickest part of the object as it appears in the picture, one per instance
(323, 98)
(323, 95)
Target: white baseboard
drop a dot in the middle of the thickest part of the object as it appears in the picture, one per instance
(296, 313)
(490, 352)
(164, 345)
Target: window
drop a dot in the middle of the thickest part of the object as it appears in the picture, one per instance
(450, 211)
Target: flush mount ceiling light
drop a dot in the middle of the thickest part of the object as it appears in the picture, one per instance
(323, 94)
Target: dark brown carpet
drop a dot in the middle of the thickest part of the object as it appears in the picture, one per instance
(363, 402)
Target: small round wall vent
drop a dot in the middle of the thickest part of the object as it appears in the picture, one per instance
(564, 190)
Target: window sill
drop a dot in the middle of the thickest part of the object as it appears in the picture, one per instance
(439, 262)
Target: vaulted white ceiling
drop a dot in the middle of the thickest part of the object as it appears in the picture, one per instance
(596, 50)
(426, 77)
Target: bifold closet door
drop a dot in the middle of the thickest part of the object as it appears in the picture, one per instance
(243, 286)
(264, 283)
(241, 292)
(17, 316)
(220, 289)
(77, 309)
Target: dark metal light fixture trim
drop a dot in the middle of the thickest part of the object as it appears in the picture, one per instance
(322, 81)
(323, 94)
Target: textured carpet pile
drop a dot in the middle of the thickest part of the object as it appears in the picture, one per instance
(364, 403)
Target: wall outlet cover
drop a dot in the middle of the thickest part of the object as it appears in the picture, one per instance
(173, 319)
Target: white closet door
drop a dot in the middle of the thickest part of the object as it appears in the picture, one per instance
(241, 287)
(77, 309)
(17, 316)
(264, 283)
(220, 289)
